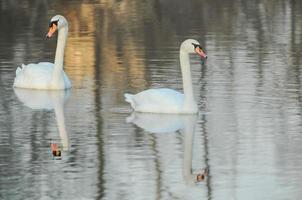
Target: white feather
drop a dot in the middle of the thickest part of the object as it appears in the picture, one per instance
(45, 75)
(38, 76)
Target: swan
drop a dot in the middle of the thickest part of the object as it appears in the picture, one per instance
(165, 100)
(45, 75)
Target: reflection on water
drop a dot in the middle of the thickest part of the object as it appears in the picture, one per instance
(248, 132)
(159, 123)
(164, 123)
(43, 99)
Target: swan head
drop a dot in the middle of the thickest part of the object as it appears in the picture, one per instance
(56, 23)
(192, 46)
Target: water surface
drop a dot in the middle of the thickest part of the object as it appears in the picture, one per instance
(247, 134)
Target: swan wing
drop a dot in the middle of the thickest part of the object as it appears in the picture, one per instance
(36, 76)
(162, 100)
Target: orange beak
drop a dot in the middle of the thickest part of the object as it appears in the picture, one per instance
(51, 31)
(200, 52)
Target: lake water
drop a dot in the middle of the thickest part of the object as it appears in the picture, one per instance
(247, 135)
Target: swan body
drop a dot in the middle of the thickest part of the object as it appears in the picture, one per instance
(166, 100)
(39, 76)
(46, 75)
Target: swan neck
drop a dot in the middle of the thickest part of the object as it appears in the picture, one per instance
(186, 79)
(59, 58)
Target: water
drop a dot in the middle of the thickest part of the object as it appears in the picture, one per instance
(247, 134)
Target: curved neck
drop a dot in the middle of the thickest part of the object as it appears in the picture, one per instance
(59, 58)
(186, 79)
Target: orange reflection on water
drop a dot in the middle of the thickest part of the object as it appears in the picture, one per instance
(109, 49)
(80, 53)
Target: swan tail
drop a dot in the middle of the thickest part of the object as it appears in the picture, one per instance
(129, 99)
(131, 118)
(19, 69)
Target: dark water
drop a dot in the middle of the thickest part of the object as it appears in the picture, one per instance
(247, 134)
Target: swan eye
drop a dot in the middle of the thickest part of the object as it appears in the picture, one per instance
(53, 23)
(196, 45)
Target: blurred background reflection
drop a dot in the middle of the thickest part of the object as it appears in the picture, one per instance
(247, 134)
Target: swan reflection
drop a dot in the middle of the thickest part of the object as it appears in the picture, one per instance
(167, 123)
(45, 99)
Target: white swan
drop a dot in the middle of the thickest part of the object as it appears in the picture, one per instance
(45, 75)
(45, 99)
(166, 100)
